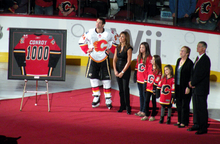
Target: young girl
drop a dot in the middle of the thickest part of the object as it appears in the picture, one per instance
(152, 77)
(143, 61)
(165, 91)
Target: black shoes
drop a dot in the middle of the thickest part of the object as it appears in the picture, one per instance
(176, 124)
(192, 129)
(200, 132)
(168, 120)
(161, 120)
(121, 110)
(181, 126)
(128, 112)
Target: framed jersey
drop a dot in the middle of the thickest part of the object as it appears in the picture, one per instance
(37, 54)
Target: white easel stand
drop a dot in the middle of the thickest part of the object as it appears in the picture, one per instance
(45, 92)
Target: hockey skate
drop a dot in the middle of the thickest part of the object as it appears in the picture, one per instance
(108, 103)
(96, 101)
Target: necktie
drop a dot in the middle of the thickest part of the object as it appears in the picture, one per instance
(197, 58)
(196, 61)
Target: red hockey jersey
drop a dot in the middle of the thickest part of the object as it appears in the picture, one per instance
(167, 87)
(152, 78)
(66, 5)
(140, 67)
(37, 55)
(43, 4)
(205, 8)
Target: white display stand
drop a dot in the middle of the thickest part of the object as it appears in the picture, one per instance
(45, 92)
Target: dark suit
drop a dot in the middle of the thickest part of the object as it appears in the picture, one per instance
(200, 79)
(182, 99)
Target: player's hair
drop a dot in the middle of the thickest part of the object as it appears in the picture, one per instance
(188, 50)
(147, 52)
(127, 41)
(102, 19)
(157, 63)
(171, 70)
(204, 44)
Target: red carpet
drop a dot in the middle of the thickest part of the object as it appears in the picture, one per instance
(72, 120)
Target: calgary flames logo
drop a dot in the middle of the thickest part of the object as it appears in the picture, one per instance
(205, 7)
(166, 89)
(100, 45)
(66, 6)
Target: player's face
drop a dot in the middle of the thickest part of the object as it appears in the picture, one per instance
(167, 71)
(99, 24)
(153, 61)
(183, 53)
(122, 38)
(142, 49)
(200, 48)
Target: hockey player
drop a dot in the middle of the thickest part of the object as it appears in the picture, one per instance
(98, 43)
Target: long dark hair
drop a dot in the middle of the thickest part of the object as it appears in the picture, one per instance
(127, 41)
(147, 52)
(157, 63)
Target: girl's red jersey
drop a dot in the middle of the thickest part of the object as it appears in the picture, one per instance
(167, 87)
(140, 67)
(152, 77)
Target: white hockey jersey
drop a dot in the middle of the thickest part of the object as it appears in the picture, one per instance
(100, 42)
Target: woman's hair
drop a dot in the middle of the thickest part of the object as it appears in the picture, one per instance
(171, 70)
(188, 50)
(127, 41)
(157, 63)
(147, 52)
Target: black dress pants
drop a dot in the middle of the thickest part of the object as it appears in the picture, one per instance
(182, 103)
(124, 92)
(200, 112)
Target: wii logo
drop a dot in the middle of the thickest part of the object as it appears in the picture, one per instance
(158, 42)
(138, 40)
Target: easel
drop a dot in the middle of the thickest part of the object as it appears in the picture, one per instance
(45, 92)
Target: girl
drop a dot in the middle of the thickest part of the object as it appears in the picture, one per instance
(143, 61)
(122, 70)
(152, 77)
(165, 91)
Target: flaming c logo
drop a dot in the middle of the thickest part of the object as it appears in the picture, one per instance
(100, 45)
(166, 89)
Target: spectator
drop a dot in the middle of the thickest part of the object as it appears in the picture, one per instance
(67, 7)
(11, 5)
(22, 7)
(207, 14)
(185, 9)
(43, 7)
(120, 4)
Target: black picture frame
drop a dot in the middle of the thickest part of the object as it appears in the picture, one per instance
(58, 72)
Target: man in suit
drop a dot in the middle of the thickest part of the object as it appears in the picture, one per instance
(200, 84)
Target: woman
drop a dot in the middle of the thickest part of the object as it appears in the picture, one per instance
(122, 70)
(182, 90)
